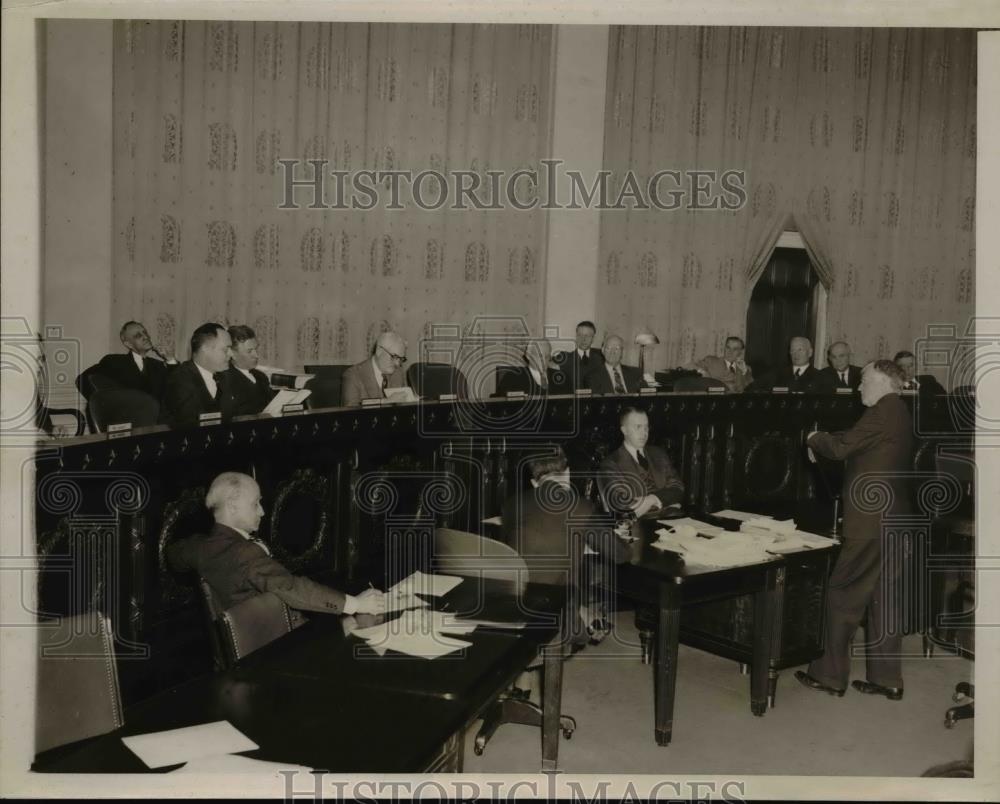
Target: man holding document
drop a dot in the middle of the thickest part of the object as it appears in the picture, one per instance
(238, 567)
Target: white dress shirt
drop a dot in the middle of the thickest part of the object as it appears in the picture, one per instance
(209, 379)
(378, 373)
(611, 373)
(536, 375)
(246, 373)
(138, 358)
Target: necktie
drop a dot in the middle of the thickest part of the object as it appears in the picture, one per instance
(218, 384)
(643, 461)
(729, 366)
(385, 383)
(142, 366)
(843, 378)
(619, 383)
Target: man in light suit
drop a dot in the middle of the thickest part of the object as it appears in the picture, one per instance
(136, 368)
(878, 452)
(197, 385)
(533, 377)
(730, 369)
(612, 376)
(250, 387)
(637, 477)
(370, 378)
(237, 566)
(840, 373)
(583, 358)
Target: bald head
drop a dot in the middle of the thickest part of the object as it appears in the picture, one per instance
(613, 349)
(800, 350)
(390, 352)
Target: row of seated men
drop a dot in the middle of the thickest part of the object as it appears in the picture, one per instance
(222, 374)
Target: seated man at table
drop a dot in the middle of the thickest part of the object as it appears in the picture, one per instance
(370, 378)
(583, 358)
(536, 524)
(198, 385)
(136, 368)
(533, 377)
(924, 384)
(636, 477)
(249, 386)
(237, 566)
(730, 369)
(612, 376)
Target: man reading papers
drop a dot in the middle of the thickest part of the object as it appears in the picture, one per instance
(238, 567)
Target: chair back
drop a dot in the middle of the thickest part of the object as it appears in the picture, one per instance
(327, 385)
(213, 620)
(253, 623)
(109, 406)
(78, 694)
(457, 552)
(435, 379)
(697, 384)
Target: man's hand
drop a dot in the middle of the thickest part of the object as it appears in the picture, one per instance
(371, 601)
(647, 504)
(740, 366)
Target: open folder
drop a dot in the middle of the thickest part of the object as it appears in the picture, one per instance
(285, 397)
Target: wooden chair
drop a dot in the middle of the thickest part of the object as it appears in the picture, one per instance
(78, 692)
(108, 406)
(431, 380)
(213, 621)
(471, 555)
(254, 623)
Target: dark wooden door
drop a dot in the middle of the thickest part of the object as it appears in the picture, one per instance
(781, 307)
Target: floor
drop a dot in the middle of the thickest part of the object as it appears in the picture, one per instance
(610, 693)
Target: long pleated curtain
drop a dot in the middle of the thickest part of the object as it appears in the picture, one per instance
(865, 139)
(203, 111)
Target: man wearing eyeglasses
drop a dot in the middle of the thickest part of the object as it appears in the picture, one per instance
(371, 378)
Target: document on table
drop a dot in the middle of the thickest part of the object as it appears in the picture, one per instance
(728, 513)
(696, 524)
(728, 549)
(399, 601)
(234, 763)
(193, 742)
(417, 633)
(285, 397)
(423, 584)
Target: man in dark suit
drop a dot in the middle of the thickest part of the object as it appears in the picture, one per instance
(800, 376)
(136, 368)
(878, 452)
(583, 358)
(533, 377)
(924, 383)
(370, 378)
(198, 385)
(840, 373)
(637, 477)
(238, 567)
(536, 523)
(249, 386)
(612, 376)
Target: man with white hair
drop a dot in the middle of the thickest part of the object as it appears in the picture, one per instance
(370, 378)
(878, 452)
(238, 567)
(533, 377)
(612, 376)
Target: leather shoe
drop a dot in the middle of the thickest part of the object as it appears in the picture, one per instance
(870, 688)
(807, 680)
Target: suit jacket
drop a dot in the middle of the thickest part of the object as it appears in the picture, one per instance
(186, 397)
(831, 378)
(715, 368)
(122, 370)
(571, 363)
(599, 381)
(518, 378)
(248, 397)
(359, 383)
(928, 384)
(878, 451)
(623, 483)
(811, 381)
(237, 569)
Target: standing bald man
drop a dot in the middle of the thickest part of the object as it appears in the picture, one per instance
(370, 378)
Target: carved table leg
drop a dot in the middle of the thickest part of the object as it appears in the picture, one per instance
(665, 666)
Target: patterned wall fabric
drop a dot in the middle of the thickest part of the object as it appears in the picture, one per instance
(202, 111)
(867, 137)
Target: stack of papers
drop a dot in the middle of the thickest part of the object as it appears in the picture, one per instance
(696, 524)
(729, 513)
(418, 632)
(782, 537)
(723, 550)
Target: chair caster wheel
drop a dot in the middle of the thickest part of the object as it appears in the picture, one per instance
(478, 748)
(567, 734)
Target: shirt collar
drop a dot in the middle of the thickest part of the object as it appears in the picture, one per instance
(206, 375)
(138, 358)
(536, 374)
(632, 451)
(378, 372)
(583, 352)
(242, 533)
(246, 373)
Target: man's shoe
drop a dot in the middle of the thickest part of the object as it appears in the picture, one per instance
(869, 688)
(807, 680)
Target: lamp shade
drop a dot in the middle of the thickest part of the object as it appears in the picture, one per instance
(646, 338)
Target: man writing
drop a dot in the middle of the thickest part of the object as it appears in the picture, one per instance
(238, 567)
(637, 477)
(878, 452)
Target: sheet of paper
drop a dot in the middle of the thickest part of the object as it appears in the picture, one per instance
(728, 513)
(425, 646)
(514, 626)
(400, 601)
(697, 524)
(285, 397)
(493, 520)
(234, 763)
(404, 394)
(180, 745)
(421, 583)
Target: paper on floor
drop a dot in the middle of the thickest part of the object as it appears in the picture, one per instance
(192, 742)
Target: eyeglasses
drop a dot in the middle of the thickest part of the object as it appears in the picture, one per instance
(401, 359)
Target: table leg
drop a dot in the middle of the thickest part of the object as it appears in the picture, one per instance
(552, 670)
(767, 615)
(665, 666)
